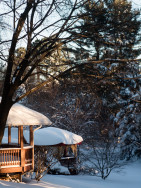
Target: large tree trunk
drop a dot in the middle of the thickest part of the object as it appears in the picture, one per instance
(4, 110)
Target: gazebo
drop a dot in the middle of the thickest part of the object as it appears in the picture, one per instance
(18, 157)
(64, 143)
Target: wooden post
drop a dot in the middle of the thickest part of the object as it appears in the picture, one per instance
(31, 136)
(19, 134)
(22, 149)
(32, 144)
(9, 134)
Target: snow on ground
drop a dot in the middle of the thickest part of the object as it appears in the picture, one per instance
(129, 177)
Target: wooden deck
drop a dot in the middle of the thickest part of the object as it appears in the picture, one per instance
(15, 159)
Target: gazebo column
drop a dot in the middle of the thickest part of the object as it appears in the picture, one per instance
(9, 134)
(19, 135)
(31, 136)
(22, 149)
(32, 144)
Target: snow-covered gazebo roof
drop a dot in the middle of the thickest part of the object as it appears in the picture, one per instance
(21, 115)
(53, 136)
(48, 136)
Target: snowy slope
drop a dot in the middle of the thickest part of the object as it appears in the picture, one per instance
(130, 177)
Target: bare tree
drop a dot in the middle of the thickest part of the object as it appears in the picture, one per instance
(45, 157)
(102, 156)
(32, 21)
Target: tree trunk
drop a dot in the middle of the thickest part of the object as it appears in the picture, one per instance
(4, 110)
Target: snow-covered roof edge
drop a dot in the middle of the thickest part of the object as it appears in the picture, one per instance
(20, 115)
(51, 136)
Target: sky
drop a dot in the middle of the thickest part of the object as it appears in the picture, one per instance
(136, 3)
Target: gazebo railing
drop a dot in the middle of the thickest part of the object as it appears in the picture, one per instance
(17, 157)
(12, 156)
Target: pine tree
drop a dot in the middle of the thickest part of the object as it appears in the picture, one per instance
(111, 29)
(122, 30)
(119, 86)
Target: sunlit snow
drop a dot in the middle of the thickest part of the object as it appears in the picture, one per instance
(21, 115)
(129, 177)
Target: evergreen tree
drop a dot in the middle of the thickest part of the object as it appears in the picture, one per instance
(111, 29)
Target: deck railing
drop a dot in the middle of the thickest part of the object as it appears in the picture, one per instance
(10, 157)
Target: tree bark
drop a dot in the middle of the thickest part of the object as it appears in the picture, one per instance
(5, 106)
